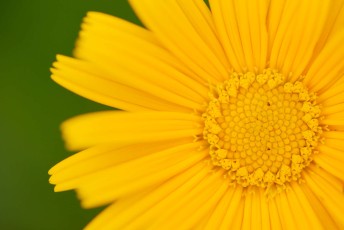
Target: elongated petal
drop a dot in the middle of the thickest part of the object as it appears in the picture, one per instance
(235, 210)
(92, 82)
(334, 135)
(333, 24)
(105, 41)
(331, 157)
(327, 68)
(191, 202)
(218, 215)
(298, 19)
(100, 157)
(327, 222)
(329, 192)
(123, 127)
(333, 110)
(187, 31)
(133, 211)
(115, 182)
(242, 29)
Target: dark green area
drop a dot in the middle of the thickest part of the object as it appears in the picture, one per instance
(32, 107)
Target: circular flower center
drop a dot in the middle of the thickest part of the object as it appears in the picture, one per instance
(261, 129)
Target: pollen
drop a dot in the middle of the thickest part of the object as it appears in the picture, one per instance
(261, 129)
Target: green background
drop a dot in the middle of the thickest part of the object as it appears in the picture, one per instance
(32, 107)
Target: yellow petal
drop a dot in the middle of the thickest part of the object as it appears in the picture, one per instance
(251, 218)
(331, 165)
(334, 122)
(327, 68)
(305, 216)
(286, 212)
(331, 197)
(324, 216)
(103, 40)
(198, 205)
(331, 143)
(218, 215)
(131, 211)
(242, 29)
(186, 32)
(133, 176)
(332, 151)
(332, 110)
(335, 90)
(101, 157)
(158, 212)
(264, 211)
(298, 30)
(235, 210)
(124, 127)
(334, 23)
(334, 135)
(276, 218)
(92, 82)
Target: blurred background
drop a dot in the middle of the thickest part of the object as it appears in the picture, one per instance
(32, 107)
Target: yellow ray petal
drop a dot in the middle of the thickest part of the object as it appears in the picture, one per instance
(218, 215)
(334, 122)
(264, 210)
(304, 214)
(327, 68)
(123, 127)
(230, 44)
(297, 34)
(334, 23)
(113, 183)
(189, 203)
(335, 182)
(332, 166)
(324, 216)
(334, 135)
(105, 156)
(109, 215)
(334, 143)
(235, 210)
(286, 212)
(150, 216)
(138, 79)
(252, 214)
(115, 30)
(275, 14)
(184, 30)
(275, 216)
(331, 198)
(333, 148)
(92, 82)
(126, 211)
(199, 205)
(329, 110)
(77, 175)
(99, 42)
(242, 29)
(332, 151)
(329, 94)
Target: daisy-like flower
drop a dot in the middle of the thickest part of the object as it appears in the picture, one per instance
(231, 117)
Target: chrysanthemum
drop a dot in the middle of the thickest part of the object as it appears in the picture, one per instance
(232, 117)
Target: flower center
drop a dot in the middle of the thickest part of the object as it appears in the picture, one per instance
(261, 129)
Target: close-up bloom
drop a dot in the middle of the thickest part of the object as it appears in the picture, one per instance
(224, 117)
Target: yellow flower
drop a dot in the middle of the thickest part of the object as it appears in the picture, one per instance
(233, 117)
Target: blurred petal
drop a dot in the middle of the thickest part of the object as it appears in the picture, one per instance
(187, 31)
(124, 127)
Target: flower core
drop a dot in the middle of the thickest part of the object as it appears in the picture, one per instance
(261, 129)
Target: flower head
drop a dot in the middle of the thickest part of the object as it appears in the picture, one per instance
(232, 117)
